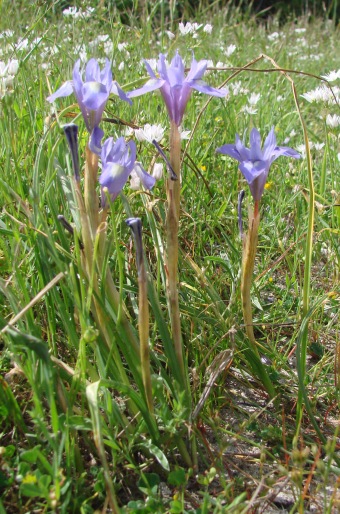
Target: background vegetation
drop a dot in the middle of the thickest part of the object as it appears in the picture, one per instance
(63, 445)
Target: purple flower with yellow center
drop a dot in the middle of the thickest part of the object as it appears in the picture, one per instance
(93, 92)
(175, 87)
(118, 161)
(254, 162)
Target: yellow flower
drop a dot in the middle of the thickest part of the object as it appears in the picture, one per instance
(29, 479)
(268, 185)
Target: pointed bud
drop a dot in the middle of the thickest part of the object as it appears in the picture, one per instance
(172, 174)
(71, 133)
(136, 228)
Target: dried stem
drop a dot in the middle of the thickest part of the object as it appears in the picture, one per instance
(248, 262)
(172, 223)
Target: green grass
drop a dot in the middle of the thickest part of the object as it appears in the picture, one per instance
(76, 434)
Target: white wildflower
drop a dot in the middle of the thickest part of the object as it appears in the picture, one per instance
(332, 76)
(208, 28)
(150, 133)
(185, 134)
(300, 30)
(170, 34)
(108, 47)
(135, 182)
(22, 45)
(273, 36)
(71, 11)
(254, 98)
(122, 47)
(157, 170)
(186, 28)
(332, 121)
(301, 149)
(249, 109)
(230, 50)
(121, 66)
(320, 94)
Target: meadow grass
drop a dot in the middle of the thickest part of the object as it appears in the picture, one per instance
(77, 431)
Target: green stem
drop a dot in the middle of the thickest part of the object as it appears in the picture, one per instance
(306, 281)
(143, 327)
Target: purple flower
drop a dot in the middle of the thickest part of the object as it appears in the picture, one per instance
(118, 161)
(175, 87)
(255, 161)
(93, 93)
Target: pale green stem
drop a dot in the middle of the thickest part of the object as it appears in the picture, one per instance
(143, 327)
(135, 225)
(172, 223)
(302, 357)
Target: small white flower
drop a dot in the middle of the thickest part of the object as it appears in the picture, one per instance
(22, 45)
(170, 35)
(320, 94)
(208, 28)
(318, 146)
(300, 30)
(71, 11)
(10, 68)
(135, 182)
(121, 66)
(220, 65)
(157, 170)
(186, 28)
(150, 133)
(197, 26)
(185, 134)
(293, 133)
(301, 149)
(332, 76)
(128, 131)
(273, 36)
(332, 121)
(249, 109)
(230, 50)
(339, 156)
(254, 98)
(108, 47)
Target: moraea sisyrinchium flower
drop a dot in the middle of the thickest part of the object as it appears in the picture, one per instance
(175, 87)
(118, 161)
(254, 162)
(91, 93)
